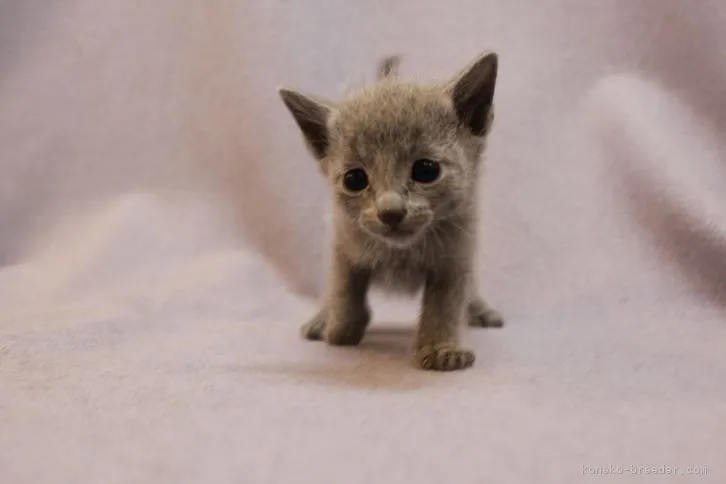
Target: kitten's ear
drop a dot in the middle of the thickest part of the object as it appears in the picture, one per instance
(388, 66)
(472, 93)
(311, 115)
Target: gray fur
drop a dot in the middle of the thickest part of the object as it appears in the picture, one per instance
(383, 129)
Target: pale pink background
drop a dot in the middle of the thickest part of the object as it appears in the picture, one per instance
(162, 233)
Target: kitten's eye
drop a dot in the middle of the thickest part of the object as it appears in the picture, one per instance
(355, 180)
(425, 171)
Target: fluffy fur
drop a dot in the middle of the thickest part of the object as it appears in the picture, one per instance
(383, 129)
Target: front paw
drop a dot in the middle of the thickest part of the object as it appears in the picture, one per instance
(347, 330)
(343, 334)
(444, 357)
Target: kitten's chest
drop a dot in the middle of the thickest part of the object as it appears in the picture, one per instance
(404, 273)
(403, 269)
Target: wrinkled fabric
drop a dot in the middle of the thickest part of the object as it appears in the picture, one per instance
(163, 235)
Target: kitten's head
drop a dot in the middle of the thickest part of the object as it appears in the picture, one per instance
(400, 156)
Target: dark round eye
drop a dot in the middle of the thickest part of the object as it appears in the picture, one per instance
(355, 180)
(425, 171)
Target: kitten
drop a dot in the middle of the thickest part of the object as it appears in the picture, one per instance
(402, 160)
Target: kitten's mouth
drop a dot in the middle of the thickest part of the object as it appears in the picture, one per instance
(396, 236)
(398, 233)
(401, 235)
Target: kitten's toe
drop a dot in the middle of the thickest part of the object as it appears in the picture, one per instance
(444, 357)
(313, 329)
(481, 316)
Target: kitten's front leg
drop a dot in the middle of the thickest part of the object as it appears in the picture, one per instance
(444, 307)
(348, 313)
(345, 314)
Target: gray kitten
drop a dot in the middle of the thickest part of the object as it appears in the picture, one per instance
(402, 160)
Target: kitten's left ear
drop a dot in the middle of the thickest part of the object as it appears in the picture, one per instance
(472, 93)
(312, 116)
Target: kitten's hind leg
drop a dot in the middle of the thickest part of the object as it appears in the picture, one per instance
(313, 329)
(482, 316)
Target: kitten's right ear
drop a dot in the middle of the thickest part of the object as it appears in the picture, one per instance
(311, 116)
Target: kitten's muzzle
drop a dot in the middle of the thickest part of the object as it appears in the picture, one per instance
(391, 209)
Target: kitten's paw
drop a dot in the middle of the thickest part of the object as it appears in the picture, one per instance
(481, 316)
(313, 329)
(444, 357)
(347, 328)
(344, 334)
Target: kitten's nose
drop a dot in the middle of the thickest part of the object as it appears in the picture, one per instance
(391, 208)
(391, 217)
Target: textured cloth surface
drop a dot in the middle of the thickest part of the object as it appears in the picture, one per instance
(163, 231)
